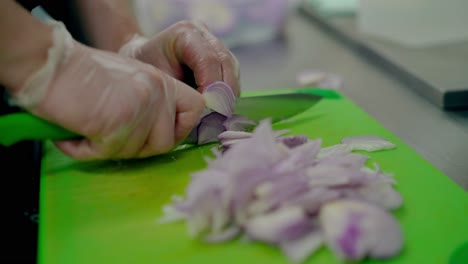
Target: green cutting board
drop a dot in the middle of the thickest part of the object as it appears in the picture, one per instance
(105, 212)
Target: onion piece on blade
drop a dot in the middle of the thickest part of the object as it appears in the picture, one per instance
(218, 115)
(220, 98)
(210, 127)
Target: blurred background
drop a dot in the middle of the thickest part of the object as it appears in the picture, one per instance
(419, 41)
(236, 22)
(413, 23)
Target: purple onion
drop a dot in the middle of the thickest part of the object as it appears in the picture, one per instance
(290, 192)
(354, 230)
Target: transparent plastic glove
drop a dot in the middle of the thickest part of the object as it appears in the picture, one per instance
(190, 44)
(124, 108)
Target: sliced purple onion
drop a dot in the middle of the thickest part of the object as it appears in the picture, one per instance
(314, 199)
(290, 192)
(354, 230)
(218, 116)
(171, 214)
(210, 127)
(229, 139)
(368, 143)
(347, 160)
(269, 227)
(192, 138)
(300, 158)
(227, 143)
(335, 176)
(334, 150)
(300, 249)
(219, 97)
(284, 190)
(238, 123)
(261, 145)
(278, 133)
(386, 177)
(228, 234)
(381, 194)
(293, 141)
(233, 135)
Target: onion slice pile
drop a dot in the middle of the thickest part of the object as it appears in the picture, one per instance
(290, 192)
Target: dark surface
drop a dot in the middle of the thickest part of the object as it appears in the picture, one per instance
(20, 167)
(20, 164)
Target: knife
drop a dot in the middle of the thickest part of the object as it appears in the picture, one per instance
(23, 126)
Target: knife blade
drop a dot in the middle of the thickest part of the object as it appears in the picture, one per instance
(277, 107)
(23, 126)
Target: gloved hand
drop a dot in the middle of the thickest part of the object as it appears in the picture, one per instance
(189, 44)
(124, 108)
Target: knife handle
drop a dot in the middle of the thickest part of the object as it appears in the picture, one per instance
(22, 126)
